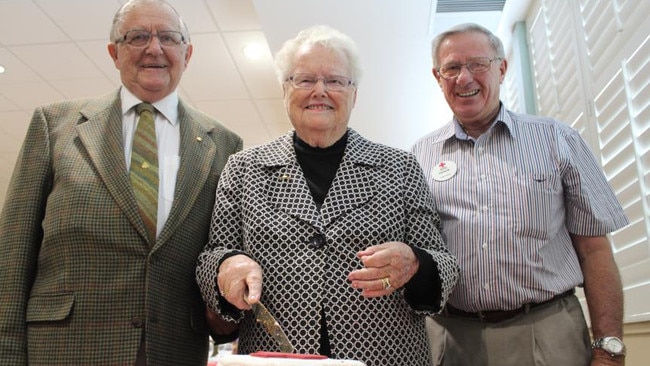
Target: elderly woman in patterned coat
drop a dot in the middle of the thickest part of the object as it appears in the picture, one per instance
(338, 236)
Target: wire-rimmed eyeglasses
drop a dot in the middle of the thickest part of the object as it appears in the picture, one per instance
(475, 65)
(141, 38)
(308, 81)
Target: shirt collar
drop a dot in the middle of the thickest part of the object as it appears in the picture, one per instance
(167, 107)
(458, 131)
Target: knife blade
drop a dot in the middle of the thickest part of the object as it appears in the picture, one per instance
(272, 327)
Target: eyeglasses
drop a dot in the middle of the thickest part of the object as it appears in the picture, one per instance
(475, 65)
(141, 38)
(309, 81)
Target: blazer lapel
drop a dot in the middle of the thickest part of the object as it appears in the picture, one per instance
(345, 194)
(287, 187)
(287, 180)
(197, 151)
(100, 132)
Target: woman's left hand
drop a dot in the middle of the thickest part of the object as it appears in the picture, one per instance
(388, 266)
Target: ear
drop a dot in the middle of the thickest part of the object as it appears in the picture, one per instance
(503, 68)
(285, 97)
(188, 54)
(437, 76)
(112, 50)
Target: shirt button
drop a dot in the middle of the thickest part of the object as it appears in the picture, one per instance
(317, 241)
(484, 246)
(486, 286)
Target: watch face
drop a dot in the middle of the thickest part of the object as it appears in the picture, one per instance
(613, 345)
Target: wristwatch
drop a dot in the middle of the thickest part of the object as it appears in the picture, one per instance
(612, 345)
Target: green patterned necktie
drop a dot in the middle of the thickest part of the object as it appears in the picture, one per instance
(144, 168)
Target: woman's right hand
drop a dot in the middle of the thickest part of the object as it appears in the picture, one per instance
(240, 281)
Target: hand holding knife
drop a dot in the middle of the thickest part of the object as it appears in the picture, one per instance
(240, 275)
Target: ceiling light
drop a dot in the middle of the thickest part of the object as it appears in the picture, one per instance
(254, 51)
(2, 69)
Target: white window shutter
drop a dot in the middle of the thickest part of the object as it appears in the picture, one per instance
(591, 66)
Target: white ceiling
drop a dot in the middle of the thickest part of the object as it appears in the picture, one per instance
(56, 49)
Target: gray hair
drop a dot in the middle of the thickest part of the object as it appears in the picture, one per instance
(322, 35)
(120, 16)
(495, 42)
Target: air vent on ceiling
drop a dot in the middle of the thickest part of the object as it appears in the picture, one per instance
(459, 6)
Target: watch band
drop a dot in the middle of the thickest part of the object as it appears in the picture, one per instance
(614, 346)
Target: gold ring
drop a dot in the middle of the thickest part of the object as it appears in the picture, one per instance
(386, 283)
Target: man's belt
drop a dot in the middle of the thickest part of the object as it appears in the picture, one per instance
(496, 316)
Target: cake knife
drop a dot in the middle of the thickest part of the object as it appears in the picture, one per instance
(272, 327)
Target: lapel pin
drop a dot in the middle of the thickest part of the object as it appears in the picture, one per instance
(199, 138)
(285, 177)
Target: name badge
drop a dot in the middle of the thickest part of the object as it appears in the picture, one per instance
(444, 170)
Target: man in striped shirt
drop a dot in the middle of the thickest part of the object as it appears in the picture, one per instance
(526, 209)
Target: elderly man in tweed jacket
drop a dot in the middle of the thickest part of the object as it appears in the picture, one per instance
(82, 281)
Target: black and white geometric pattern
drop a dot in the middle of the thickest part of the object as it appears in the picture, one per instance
(264, 207)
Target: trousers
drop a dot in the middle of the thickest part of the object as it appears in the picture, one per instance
(552, 334)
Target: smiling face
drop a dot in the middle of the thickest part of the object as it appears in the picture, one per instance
(474, 98)
(151, 72)
(320, 116)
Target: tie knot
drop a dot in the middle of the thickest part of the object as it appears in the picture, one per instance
(144, 107)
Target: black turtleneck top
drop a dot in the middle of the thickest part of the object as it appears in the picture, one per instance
(319, 165)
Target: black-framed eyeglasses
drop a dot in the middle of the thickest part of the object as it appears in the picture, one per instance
(141, 38)
(475, 65)
(308, 81)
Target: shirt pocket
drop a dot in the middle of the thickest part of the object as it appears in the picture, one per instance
(537, 200)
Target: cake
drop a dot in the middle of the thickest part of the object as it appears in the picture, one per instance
(283, 359)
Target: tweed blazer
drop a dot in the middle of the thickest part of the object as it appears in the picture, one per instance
(80, 280)
(265, 209)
